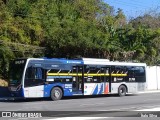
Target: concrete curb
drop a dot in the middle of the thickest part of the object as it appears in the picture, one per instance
(149, 91)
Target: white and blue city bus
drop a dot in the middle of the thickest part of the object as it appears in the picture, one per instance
(55, 78)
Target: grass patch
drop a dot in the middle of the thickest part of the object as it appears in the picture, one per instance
(3, 83)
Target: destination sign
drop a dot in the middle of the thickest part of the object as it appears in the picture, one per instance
(19, 62)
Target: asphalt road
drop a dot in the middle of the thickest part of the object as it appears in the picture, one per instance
(89, 106)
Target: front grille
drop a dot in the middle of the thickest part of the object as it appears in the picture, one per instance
(13, 88)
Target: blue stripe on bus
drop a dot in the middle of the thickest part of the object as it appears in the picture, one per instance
(95, 90)
(101, 90)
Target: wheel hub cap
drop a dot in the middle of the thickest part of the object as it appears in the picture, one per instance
(56, 94)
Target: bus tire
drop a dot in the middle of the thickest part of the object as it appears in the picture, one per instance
(56, 93)
(122, 90)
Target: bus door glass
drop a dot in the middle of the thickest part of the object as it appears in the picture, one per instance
(77, 78)
(34, 76)
(105, 76)
(34, 81)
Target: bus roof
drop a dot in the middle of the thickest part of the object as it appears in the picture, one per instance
(89, 61)
(107, 62)
(60, 60)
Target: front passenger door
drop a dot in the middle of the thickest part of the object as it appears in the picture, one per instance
(34, 82)
(77, 78)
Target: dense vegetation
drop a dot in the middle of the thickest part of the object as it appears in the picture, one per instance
(75, 28)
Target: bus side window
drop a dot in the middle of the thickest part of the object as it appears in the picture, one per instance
(139, 71)
(38, 73)
(130, 71)
(104, 72)
(140, 74)
(34, 73)
(113, 70)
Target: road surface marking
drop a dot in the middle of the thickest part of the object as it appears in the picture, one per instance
(150, 109)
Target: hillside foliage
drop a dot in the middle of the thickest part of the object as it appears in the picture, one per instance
(75, 28)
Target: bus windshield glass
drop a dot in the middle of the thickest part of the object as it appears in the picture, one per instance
(16, 72)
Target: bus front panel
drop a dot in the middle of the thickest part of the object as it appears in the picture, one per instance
(16, 76)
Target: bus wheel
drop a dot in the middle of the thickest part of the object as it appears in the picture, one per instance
(56, 94)
(122, 91)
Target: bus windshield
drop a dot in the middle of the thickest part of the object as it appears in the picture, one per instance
(16, 72)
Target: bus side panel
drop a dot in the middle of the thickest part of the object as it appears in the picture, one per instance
(33, 92)
(132, 87)
(142, 86)
(96, 88)
(136, 87)
(115, 86)
(66, 88)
